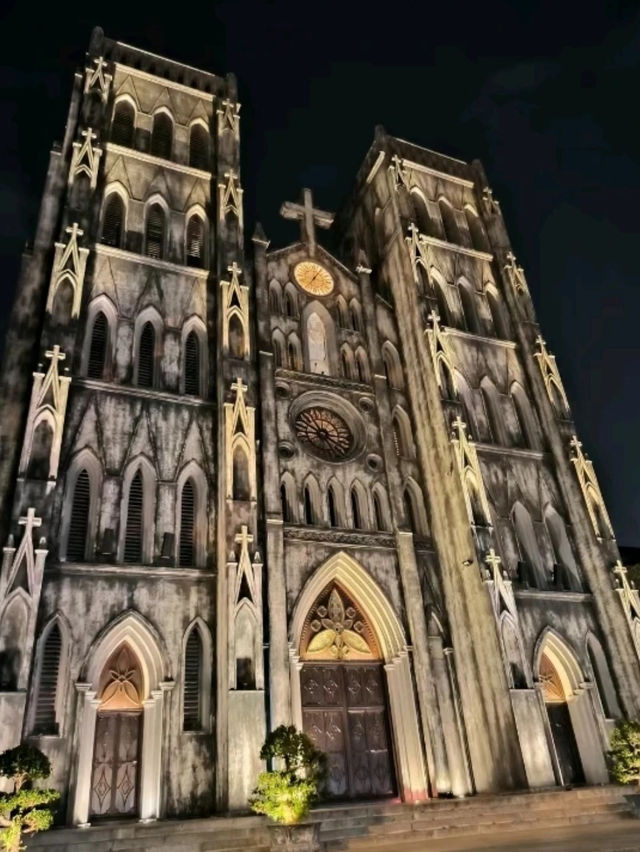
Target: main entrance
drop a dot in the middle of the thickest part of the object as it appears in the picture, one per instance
(564, 739)
(344, 703)
(114, 774)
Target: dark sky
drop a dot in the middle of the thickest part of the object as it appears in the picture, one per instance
(545, 94)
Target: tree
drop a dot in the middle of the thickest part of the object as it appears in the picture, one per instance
(624, 757)
(25, 810)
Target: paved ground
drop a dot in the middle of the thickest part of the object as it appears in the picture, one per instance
(618, 836)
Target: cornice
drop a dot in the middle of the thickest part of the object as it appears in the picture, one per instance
(143, 157)
(143, 393)
(142, 259)
(170, 84)
(469, 335)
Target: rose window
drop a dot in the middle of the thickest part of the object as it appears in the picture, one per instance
(324, 433)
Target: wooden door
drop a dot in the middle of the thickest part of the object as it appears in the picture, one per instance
(344, 711)
(114, 780)
(565, 743)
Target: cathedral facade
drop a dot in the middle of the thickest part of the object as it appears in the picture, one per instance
(244, 486)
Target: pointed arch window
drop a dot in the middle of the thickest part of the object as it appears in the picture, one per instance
(410, 511)
(497, 316)
(192, 365)
(278, 352)
(286, 503)
(195, 242)
(309, 515)
(524, 415)
(449, 223)
(290, 304)
(77, 539)
(135, 514)
(123, 124)
(45, 717)
(333, 508)
(476, 230)
(357, 510)
(113, 221)
(187, 549)
(467, 300)
(241, 489)
(98, 347)
(198, 147)
(363, 367)
(162, 136)
(378, 512)
(62, 303)
(146, 356)
(154, 233)
(192, 686)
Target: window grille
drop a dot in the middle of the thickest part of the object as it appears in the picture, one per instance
(146, 356)
(113, 221)
(192, 364)
(154, 243)
(199, 147)
(98, 348)
(45, 711)
(195, 242)
(162, 136)
(187, 525)
(191, 711)
(123, 125)
(79, 519)
(134, 531)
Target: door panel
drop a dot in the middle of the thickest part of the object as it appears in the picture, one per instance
(565, 743)
(115, 765)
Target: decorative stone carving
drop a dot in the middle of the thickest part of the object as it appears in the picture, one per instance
(97, 78)
(441, 353)
(235, 302)
(85, 158)
(240, 437)
(336, 632)
(245, 611)
(630, 600)
(418, 249)
(470, 475)
(48, 403)
(69, 264)
(229, 117)
(490, 204)
(516, 276)
(499, 585)
(400, 173)
(591, 491)
(230, 195)
(551, 375)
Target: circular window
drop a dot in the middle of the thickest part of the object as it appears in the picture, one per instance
(324, 433)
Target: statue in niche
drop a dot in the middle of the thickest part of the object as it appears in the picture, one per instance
(317, 346)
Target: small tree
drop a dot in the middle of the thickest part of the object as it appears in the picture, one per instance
(285, 795)
(25, 810)
(624, 757)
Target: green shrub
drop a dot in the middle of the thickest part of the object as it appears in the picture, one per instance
(285, 794)
(624, 757)
(25, 810)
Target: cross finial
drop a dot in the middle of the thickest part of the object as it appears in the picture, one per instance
(434, 316)
(234, 269)
(239, 386)
(460, 425)
(55, 354)
(243, 538)
(309, 217)
(74, 230)
(493, 560)
(30, 521)
(575, 444)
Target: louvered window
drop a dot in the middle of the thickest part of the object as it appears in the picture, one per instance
(192, 364)
(199, 147)
(123, 126)
(79, 519)
(98, 348)
(162, 136)
(191, 712)
(146, 356)
(195, 242)
(187, 524)
(45, 711)
(113, 221)
(154, 237)
(134, 531)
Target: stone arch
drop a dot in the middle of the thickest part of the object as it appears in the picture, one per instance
(440, 288)
(113, 221)
(355, 312)
(34, 719)
(288, 500)
(195, 325)
(312, 509)
(359, 506)
(478, 235)
(344, 319)
(336, 510)
(150, 314)
(132, 630)
(195, 236)
(192, 471)
(402, 433)
(206, 667)
(392, 365)
(421, 209)
(241, 467)
(41, 463)
(199, 144)
(163, 126)
(469, 308)
(247, 645)
(123, 121)
(524, 414)
(374, 603)
(414, 508)
(319, 348)
(562, 550)
(149, 480)
(157, 217)
(275, 298)
(347, 362)
(14, 618)
(449, 224)
(101, 304)
(291, 301)
(87, 460)
(362, 363)
(493, 407)
(381, 513)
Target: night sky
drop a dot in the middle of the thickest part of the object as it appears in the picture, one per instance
(545, 94)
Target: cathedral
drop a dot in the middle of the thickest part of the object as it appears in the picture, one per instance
(245, 485)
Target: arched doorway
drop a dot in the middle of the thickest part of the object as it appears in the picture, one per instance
(114, 775)
(564, 740)
(343, 695)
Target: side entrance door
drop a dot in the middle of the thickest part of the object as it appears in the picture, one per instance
(114, 780)
(344, 710)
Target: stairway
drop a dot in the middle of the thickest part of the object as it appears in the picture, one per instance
(360, 827)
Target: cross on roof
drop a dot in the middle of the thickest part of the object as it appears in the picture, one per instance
(309, 217)
(239, 386)
(30, 520)
(243, 537)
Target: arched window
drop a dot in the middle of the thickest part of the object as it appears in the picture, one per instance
(236, 337)
(309, 514)
(476, 230)
(494, 411)
(392, 368)
(513, 654)
(380, 509)
(62, 303)
(410, 511)
(443, 305)
(363, 367)
(113, 221)
(467, 300)
(347, 362)
(77, 538)
(162, 136)
(402, 435)
(99, 347)
(45, 716)
(192, 365)
(241, 485)
(287, 501)
(317, 347)
(356, 316)
(525, 416)
(500, 328)
(293, 351)
(531, 569)
(343, 313)
(135, 517)
(414, 508)
(198, 147)
(191, 696)
(333, 509)
(195, 242)
(566, 570)
(290, 304)
(465, 398)
(449, 223)
(147, 356)
(187, 550)
(278, 350)
(358, 508)
(275, 305)
(245, 636)
(123, 124)
(40, 457)
(423, 220)
(154, 233)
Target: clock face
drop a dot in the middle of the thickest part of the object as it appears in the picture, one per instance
(313, 278)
